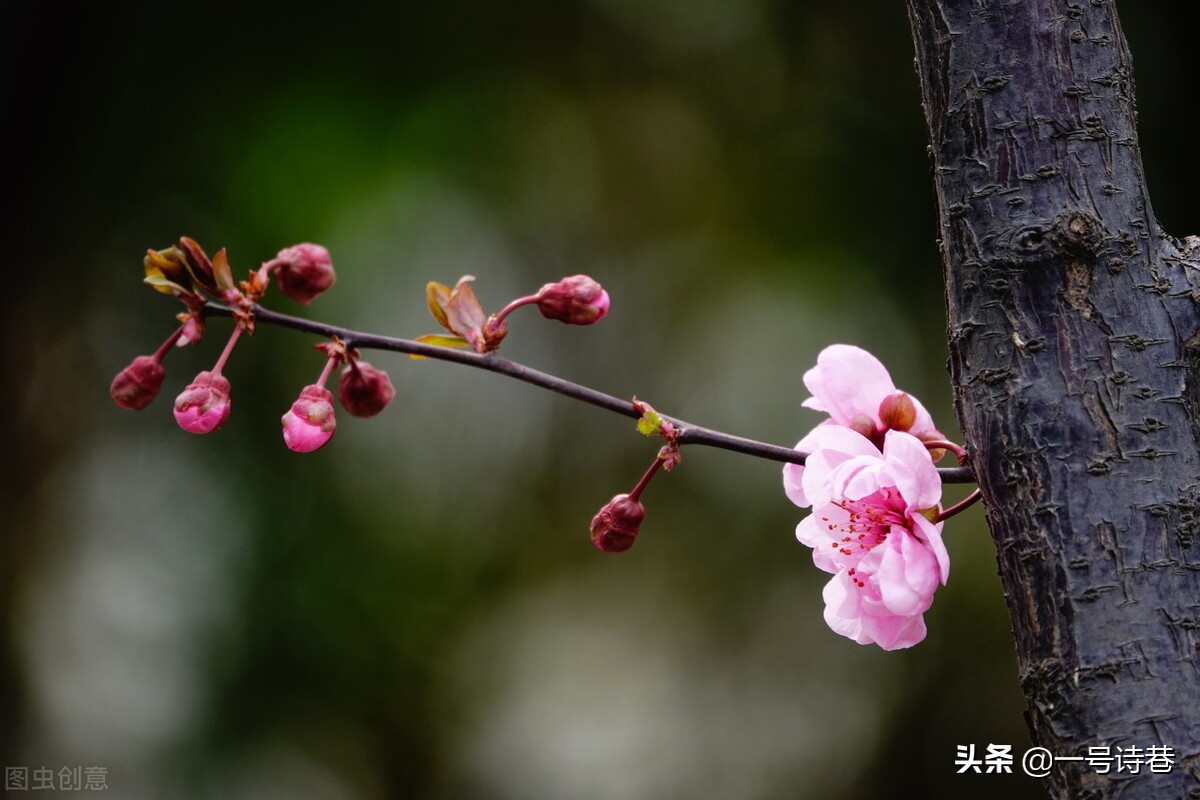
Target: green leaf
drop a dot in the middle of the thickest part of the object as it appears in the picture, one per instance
(439, 340)
(650, 423)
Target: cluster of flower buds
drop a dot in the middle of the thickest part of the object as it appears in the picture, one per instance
(303, 272)
(185, 271)
(363, 390)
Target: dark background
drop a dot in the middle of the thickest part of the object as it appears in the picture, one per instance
(416, 610)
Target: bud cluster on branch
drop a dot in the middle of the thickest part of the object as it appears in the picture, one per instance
(868, 471)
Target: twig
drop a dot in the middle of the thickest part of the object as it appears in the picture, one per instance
(492, 362)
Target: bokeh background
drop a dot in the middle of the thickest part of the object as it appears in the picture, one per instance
(415, 611)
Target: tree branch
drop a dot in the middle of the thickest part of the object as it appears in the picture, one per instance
(1076, 367)
(493, 362)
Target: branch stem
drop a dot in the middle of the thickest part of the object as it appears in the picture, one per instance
(493, 362)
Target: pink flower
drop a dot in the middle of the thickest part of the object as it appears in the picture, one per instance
(309, 423)
(871, 527)
(855, 389)
(204, 405)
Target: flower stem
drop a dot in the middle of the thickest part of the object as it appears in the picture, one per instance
(962, 505)
(513, 306)
(641, 484)
(220, 365)
(168, 344)
(959, 451)
(330, 363)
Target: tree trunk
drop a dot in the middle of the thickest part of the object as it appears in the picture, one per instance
(1075, 359)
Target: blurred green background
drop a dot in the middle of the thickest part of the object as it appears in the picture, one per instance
(416, 611)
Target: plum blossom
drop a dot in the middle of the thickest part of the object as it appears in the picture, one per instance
(872, 527)
(855, 389)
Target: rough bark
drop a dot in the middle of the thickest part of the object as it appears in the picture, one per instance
(1075, 356)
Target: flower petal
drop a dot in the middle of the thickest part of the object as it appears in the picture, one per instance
(932, 534)
(908, 574)
(913, 469)
(847, 381)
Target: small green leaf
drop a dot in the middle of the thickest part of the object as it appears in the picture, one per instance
(439, 340)
(650, 423)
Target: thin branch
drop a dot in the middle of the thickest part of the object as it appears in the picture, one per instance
(492, 362)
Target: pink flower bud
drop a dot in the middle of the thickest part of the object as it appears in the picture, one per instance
(364, 390)
(204, 405)
(137, 385)
(309, 423)
(303, 271)
(616, 524)
(577, 300)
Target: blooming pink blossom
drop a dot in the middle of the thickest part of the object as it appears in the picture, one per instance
(855, 389)
(309, 423)
(872, 527)
(204, 405)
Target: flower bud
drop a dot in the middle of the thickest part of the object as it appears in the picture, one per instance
(137, 385)
(303, 271)
(364, 390)
(865, 426)
(577, 300)
(193, 330)
(898, 412)
(309, 423)
(204, 405)
(616, 524)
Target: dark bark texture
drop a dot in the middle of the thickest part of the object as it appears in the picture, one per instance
(1075, 355)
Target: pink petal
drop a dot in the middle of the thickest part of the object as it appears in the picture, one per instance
(913, 469)
(894, 632)
(814, 531)
(793, 474)
(830, 446)
(932, 534)
(847, 381)
(843, 608)
(907, 575)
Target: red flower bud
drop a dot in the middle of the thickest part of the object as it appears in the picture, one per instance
(577, 300)
(898, 412)
(137, 385)
(364, 390)
(303, 271)
(616, 524)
